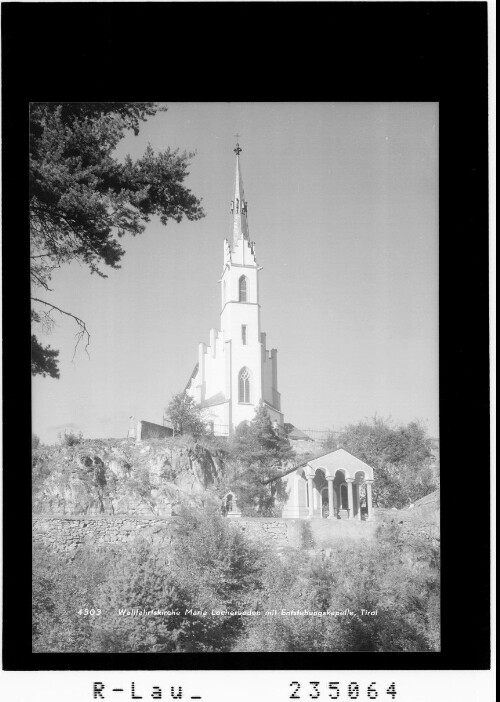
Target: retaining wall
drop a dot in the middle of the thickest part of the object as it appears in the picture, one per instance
(66, 534)
(148, 430)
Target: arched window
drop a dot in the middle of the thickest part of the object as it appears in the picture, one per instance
(244, 385)
(343, 496)
(325, 503)
(243, 289)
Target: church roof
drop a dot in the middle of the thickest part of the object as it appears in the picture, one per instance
(297, 434)
(239, 206)
(193, 375)
(217, 399)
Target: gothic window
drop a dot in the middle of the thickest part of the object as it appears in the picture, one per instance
(244, 385)
(224, 292)
(244, 334)
(243, 289)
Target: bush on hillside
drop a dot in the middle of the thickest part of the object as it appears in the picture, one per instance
(208, 565)
(388, 576)
(70, 438)
(400, 456)
(60, 589)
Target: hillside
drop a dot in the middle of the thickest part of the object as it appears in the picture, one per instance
(421, 520)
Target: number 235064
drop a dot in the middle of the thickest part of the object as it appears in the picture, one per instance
(334, 691)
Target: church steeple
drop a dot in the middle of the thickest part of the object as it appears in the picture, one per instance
(239, 206)
(236, 370)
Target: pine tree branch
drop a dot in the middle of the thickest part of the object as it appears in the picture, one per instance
(42, 282)
(83, 328)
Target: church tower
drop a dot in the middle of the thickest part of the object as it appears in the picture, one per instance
(236, 371)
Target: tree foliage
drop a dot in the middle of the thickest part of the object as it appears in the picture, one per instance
(70, 438)
(401, 457)
(140, 579)
(259, 442)
(83, 200)
(258, 452)
(210, 564)
(389, 576)
(43, 358)
(185, 415)
(59, 590)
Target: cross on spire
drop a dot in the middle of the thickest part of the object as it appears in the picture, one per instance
(239, 206)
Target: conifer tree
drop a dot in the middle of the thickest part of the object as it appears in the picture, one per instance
(261, 443)
(260, 451)
(82, 199)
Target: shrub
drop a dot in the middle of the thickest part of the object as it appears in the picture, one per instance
(401, 457)
(306, 535)
(138, 579)
(69, 438)
(209, 565)
(59, 590)
(398, 580)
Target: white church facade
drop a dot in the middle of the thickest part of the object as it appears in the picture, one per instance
(236, 371)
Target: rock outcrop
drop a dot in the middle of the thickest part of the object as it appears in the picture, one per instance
(107, 477)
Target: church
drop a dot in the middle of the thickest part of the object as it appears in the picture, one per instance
(236, 371)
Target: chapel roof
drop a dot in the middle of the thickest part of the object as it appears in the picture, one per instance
(340, 459)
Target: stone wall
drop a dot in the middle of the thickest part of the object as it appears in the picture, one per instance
(148, 430)
(320, 533)
(66, 534)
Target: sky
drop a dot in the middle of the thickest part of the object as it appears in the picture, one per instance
(343, 210)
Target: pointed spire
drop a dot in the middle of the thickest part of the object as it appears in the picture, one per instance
(239, 206)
